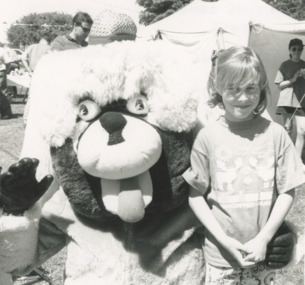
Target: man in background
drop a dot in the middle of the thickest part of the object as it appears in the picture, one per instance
(82, 23)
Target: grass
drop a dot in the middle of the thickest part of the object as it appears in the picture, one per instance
(11, 137)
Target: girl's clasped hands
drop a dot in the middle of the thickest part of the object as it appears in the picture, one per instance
(248, 254)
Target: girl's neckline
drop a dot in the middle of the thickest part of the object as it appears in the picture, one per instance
(239, 125)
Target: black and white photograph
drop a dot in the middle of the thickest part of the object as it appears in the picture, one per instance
(152, 142)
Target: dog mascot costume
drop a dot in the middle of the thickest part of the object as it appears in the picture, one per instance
(108, 137)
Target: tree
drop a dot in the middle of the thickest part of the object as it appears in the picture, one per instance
(293, 8)
(29, 29)
(155, 10)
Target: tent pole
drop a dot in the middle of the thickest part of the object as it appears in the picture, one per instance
(220, 41)
(249, 35)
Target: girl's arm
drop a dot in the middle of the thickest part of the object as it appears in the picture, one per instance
(258, 245)
(203, 212)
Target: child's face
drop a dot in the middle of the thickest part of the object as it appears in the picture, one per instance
(241, 101)
(296, 52)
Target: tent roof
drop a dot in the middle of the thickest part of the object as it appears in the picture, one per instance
(229, 15)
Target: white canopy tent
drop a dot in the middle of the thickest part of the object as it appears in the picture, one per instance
(202, 27)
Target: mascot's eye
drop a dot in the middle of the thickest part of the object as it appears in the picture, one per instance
(88, 110)
(138, 105)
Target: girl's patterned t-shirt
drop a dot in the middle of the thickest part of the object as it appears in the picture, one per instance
(241, 168)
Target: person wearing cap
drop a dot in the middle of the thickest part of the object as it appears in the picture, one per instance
(291, 82)
(82, 23)
(5, 105)
(110, 26)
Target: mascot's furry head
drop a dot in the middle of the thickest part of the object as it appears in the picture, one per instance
(113, 125)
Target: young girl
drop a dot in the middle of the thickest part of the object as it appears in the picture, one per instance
(247, 168)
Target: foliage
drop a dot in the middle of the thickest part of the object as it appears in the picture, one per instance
(293, 8)
(30, 28)
(155, 10)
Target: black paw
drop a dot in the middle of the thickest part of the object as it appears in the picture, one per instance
(19, 189)
(280, 249)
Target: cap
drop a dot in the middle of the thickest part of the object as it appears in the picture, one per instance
(295, 42)
(109, 26)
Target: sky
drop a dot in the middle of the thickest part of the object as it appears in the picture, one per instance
(13, 10)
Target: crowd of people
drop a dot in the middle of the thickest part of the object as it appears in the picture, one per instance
(233, 248)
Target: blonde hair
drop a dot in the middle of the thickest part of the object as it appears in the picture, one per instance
(237, 66)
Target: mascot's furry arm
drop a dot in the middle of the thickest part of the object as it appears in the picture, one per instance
(19, 216)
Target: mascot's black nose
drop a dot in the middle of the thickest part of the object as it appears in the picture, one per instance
(113, 123)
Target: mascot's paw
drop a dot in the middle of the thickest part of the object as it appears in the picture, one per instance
(280, 249)
(19, 189)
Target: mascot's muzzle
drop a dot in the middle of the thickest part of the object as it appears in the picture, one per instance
(120, 149)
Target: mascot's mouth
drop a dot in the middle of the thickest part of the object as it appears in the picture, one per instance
(128, 197)
(120, 149)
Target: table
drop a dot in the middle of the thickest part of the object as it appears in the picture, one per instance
(21, 82)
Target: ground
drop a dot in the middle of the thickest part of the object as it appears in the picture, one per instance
(11, 137)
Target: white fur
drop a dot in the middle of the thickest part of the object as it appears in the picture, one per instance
(106, 73)
(18, 241)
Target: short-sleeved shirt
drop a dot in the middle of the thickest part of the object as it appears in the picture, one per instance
(34, 52)
(65, 42)
(241, 168)
(291, 95)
